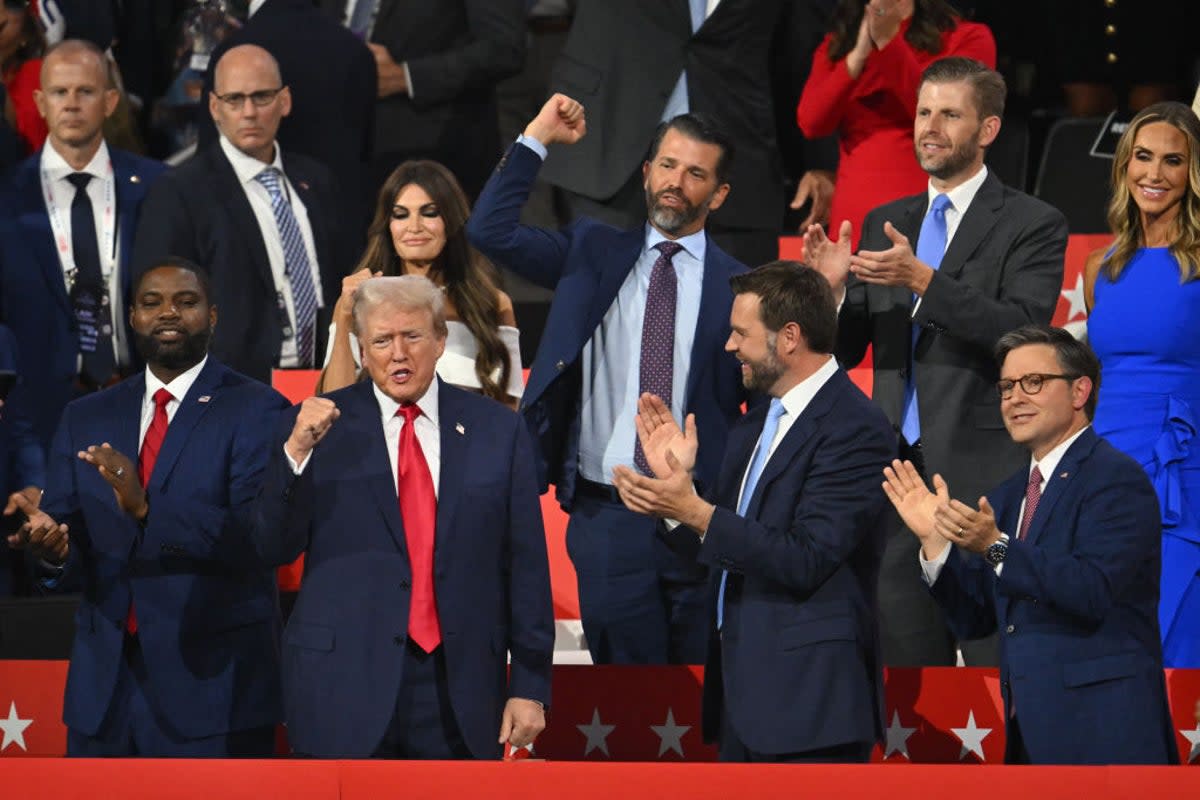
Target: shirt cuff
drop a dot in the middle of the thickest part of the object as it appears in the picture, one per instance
(407, 79)
(297, 469)
(534, 145)
(930, 570)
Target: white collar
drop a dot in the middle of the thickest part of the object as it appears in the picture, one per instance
(428, 402)
(255, 5)
(695, 244)
(57, 167)
(178, 387)
(1049, 462)
(963, 195)
(248, 167)
(796, 399)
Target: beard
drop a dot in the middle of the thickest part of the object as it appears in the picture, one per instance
(185, 353)
(764, 373)
(672, 220)
(953, 163)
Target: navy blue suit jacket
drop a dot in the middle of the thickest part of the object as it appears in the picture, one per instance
(343, 649)
(797, 666)
(33, 294)
(22, 460)
(1077, 609)
(207, 607)
(586, 263)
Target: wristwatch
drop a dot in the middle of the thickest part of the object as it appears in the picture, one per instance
(997, 551)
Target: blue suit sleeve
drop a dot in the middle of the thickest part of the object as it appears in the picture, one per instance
(284, 509)
(964, 592)
(531, 619)
(536, 254)
(180, 525)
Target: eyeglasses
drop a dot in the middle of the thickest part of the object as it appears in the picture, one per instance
(1030, 384)
(260, 99)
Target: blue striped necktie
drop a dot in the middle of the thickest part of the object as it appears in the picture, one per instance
(296, 265)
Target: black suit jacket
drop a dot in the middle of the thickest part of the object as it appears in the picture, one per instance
(331, 75)
(622, 60)
(456, 51)
(199, 211)
(1003, 269)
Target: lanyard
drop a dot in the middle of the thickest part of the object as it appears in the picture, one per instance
(62, 242)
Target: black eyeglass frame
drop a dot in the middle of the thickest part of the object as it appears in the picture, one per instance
(259, 99)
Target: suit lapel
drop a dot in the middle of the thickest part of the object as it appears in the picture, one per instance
(316, 219)
(715, 297)
(617, 261)
(35, 221)
(1058, 483)
(975, 227)
(800, 432)
(739, 451)
(363, 424)
(192, 408)
(239, 212)
(130, 190)
(454, 464)
(127, 422)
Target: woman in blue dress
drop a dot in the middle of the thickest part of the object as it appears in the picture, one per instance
(1145, 308)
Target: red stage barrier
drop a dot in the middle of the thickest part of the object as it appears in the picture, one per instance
(87, 779)
(942, 715)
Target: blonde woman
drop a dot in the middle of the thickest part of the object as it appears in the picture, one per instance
(1145, 305)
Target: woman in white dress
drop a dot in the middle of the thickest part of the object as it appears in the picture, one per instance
(418, 230)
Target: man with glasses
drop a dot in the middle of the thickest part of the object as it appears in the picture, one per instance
(939, 277)
(262, 222)
(1062, 559)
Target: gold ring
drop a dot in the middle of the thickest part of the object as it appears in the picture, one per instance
(120, 471)
(960, 532)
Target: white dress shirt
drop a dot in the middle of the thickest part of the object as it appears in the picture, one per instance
(930, 570)
(960, 197)
(246, 168)
(178, 389)
(427, 430)
(100, 186)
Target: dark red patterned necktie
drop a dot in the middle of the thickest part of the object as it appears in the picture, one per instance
(1033, 495)
(656, 368)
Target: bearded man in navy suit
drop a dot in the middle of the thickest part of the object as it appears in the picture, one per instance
(148, 503)
(792, 530)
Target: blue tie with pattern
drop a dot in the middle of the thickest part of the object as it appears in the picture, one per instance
(931, 246)
(757, 462)
(295, 259)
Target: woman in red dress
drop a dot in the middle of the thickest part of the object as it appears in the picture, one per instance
(21, 46)
(863, 86)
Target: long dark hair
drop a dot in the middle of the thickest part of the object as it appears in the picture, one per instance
(33, 46)
(470, 279)
(930, 19)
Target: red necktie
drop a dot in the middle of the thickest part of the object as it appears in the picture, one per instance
(146, 458)
(1033, 495)
(418, 509)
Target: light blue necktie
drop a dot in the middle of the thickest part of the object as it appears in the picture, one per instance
(931, 246)
(295, 259)
(770, 426)
(677, 103)
(362, 18)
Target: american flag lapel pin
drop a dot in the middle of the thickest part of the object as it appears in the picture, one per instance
(204, 398)
(458, 426)
(134, 179)
(1064, 474)
(304, 185)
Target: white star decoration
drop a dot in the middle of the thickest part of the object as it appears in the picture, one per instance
(14, 729)
(971, 738)
(670, 734)
(1076, 299)
(1192, 736)
(897, 737)
(596, 733)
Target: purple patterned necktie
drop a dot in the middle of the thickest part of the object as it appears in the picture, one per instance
(1033, 495)
(657, 366)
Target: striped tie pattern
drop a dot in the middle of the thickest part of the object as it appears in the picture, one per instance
(296, 265)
